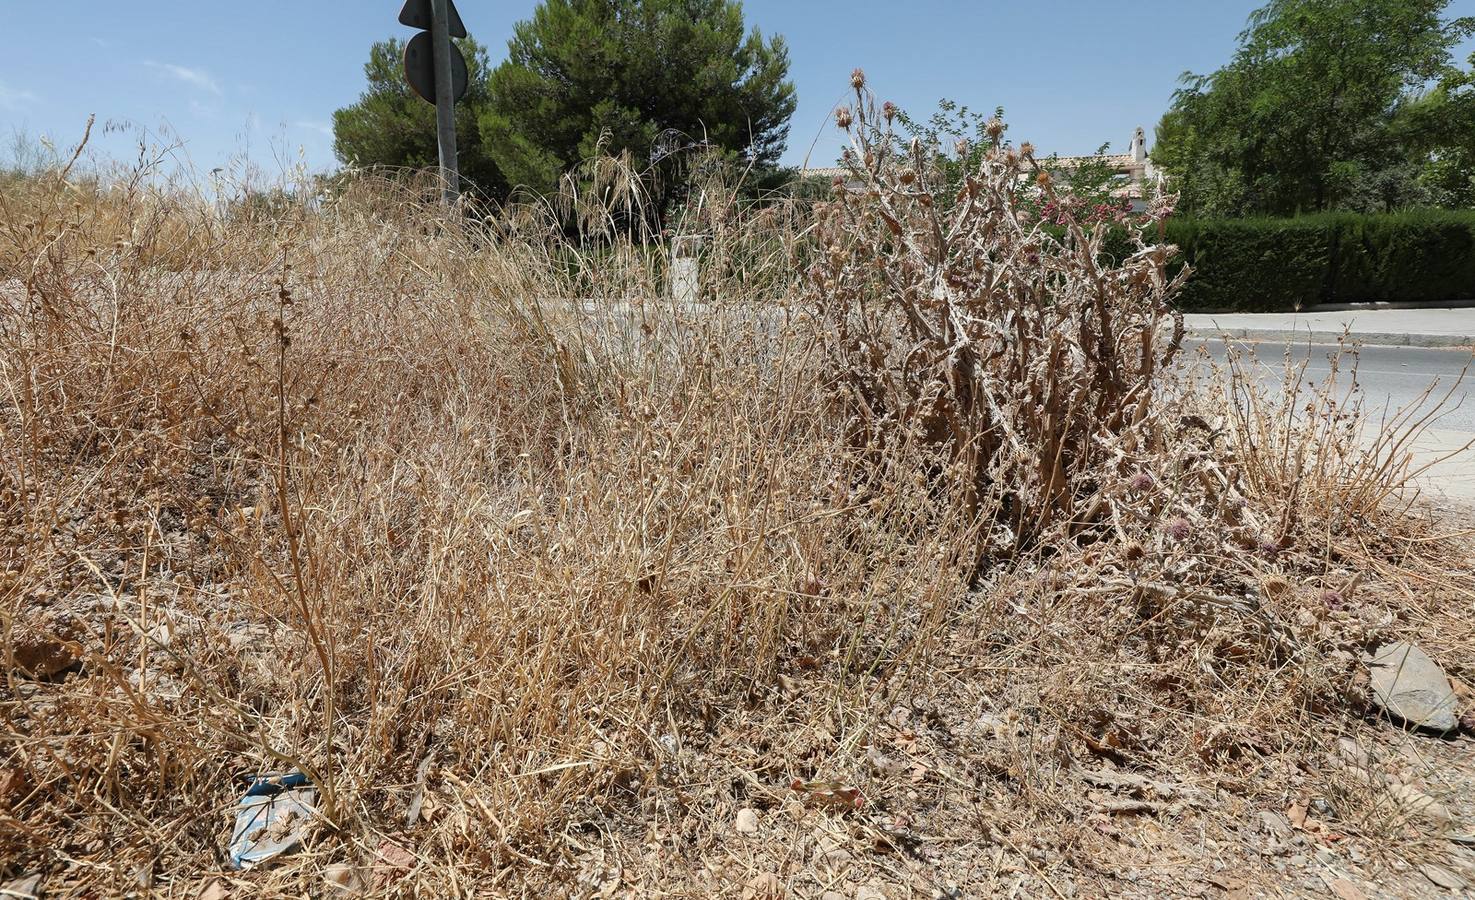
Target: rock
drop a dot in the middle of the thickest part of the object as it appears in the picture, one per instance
(870, 891)
(1420, 804)
(747, 821)
(344, 879)
(1414, 801)
(1443, 877)
(1275, 824)
(831, 849)
(763, 887)
(41, 655)
(214, 890)
(12, 783)
(392, 863)
(1345, 890)
(27, 888)
(1411, 687)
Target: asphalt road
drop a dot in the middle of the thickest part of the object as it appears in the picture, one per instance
(1392, 378)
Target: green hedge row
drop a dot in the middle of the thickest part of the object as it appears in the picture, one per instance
(1272, 265)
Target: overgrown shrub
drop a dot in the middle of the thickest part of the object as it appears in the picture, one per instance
(972, 327)
(1268, 265)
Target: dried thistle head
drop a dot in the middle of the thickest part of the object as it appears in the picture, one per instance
(1275, 587)
(888, 109)
(1140, 483)
(994, 127)
(843, 117)
(1027, 150)
(1178, 528)
(857, 78)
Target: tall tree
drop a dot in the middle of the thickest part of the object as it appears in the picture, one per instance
(643, 76)
(1302, 118)
(391, 126)
(1441, 124)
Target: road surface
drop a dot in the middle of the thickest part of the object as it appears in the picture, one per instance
(1392, 378)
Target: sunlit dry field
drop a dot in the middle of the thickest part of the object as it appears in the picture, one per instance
(910, 561)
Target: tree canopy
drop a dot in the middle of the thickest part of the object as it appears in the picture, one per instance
(1326, 104)
(640, 76)
(391, 126)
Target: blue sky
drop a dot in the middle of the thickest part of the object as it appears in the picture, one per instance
(262, 77)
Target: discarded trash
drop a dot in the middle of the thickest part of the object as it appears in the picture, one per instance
(1412, 687)
(827, 793)
(275, 815)
(28, 888)
(265, 785)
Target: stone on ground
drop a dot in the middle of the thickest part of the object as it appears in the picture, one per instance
(1412, 687)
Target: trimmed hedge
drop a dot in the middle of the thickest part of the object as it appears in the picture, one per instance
(1272, 265)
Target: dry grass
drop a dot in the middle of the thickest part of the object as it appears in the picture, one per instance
(473, 515)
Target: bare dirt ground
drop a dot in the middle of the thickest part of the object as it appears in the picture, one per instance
(964, 797)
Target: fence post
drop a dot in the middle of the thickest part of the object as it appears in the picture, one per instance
(685, 269)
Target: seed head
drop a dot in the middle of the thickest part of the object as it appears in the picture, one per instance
(1140, 482)
(858, 78)
(888, 109)
(1027, 150)
(995, 127)
(842, 117)
(1179, 529)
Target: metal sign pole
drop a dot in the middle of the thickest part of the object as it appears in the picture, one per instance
(445, 98)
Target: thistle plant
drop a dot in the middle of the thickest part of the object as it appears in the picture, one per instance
(1027, 361)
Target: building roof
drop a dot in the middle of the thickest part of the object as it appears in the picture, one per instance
(1119, 161)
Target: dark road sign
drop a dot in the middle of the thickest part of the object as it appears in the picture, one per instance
(436, 70)
(416, 14)
(420, 69)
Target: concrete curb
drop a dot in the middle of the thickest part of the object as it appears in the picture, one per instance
(1307, 336)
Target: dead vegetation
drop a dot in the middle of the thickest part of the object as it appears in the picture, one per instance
(913, 542)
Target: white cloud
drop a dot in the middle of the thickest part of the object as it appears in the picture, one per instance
(15, 98)
(101, 42)
(321, 127)
(194, 77)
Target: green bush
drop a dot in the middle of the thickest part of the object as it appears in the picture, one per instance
(1427, 256)
(1269, 265)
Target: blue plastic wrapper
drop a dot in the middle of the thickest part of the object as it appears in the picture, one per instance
(275, 815)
